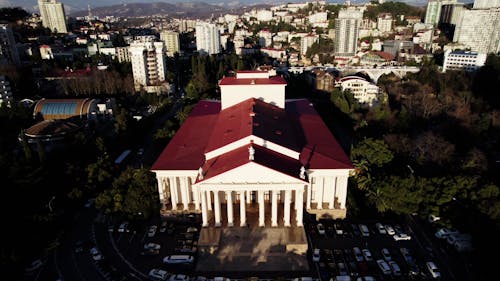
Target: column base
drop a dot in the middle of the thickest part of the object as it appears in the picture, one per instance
(230, 224)
(205, 225)
(262, 225)
(274, 225)
(299, 224)
(243, 224)
(287, 224)
(218, 224)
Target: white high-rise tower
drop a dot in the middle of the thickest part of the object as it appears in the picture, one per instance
(148, 63)
(53, 16)
(207, 38)
(347, 32)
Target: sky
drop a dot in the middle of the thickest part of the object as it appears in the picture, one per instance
(74, 5)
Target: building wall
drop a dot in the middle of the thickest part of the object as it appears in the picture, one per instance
(148, 62)
(484, 4)
(233, 94)
(53, 16)
(207, 38)
(8, 49)
(171, 40)
(462, 60)
(479, 30)
(347, 32)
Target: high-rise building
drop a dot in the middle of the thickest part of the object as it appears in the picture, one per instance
(384, 22)
(479, 30)
(306, 42)
(434, 10)
(53, 16)
(207, 38)
(149, 66)
(347, 32)
(171, 40)
(5, 91)
(485, 4)
(8, 49)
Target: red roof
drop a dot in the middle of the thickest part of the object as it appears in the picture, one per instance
(262, 156)
(275, 80)
(186, 150)
(207, 128)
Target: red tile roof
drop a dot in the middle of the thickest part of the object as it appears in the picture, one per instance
(276, 80)
(207, 128)
(262, 156)
(186, 149)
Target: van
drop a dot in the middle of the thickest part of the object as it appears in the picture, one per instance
(176, 259)
(157, 274)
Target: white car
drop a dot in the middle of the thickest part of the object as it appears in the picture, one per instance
(152, 246)
(401, 236)
(321, 229)
(152, 230)
(386, 254)
(380, 228)
(158, 274)
(123, 227)
(178, 259)
(96, 255)
(384, 267)
(191, 229)
(442, 233)
(178, 277)
(433, 270)
(389, 229)
(395, 268)
(316, 255)
(367, 254)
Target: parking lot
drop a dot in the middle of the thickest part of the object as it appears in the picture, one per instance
(338, 241)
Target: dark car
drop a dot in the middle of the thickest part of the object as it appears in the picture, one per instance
(150, 252)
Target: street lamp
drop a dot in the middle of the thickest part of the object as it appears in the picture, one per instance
(50, 203)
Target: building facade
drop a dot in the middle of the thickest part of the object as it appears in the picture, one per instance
(171, 39)
(123, 54)
(253, 150)
(53, 16)
(207, 38)
(306, 42)
(384, 23)
(485, 4)
(347, 32)
(149, 66)
(8, 48)
(479, 30)
(433, 12)
(363, 91)
(463, 60)
(5, 91)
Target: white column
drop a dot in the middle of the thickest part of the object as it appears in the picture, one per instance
(161, 189)
(309, 194)
(299, 201)
(184, 193)
(286, 217)
(204, 210)
(343, 191)
(243, 214)
(274, 216)
(188, 189)
(196, 192)
(261, 208)
(173, 192)
(229, 195)
(209, 200)
(319, 189)
(217, 208)
(249, 196)
(331, 185)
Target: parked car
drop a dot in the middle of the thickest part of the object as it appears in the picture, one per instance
(358, 255)
(401, 236)
(380, 228)
(178, 277)
(364, 230)
(341, 278)
(34, 266)
(152, 230)
(386, 254)
(316, 255)
(157, 274)
(433, 269)
(321, 229)
(366, 278)
(389, 229)
(338, 229)
(355, 230)
(178, 259)
(410, 261)
(152, 246)
(433, 218)
(452, 239)
(342, 268)
(150, 252)
(124, 227)
(163, 226)
(187, 249)
(384, 267)
(442, 233)
(396, 270)
(96, 254)
(367, 254)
